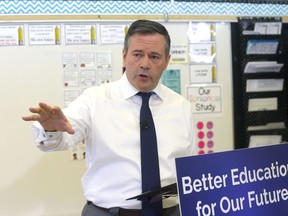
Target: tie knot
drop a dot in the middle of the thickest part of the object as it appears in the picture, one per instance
(145, 96)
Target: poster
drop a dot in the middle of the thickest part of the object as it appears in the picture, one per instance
(252, 181)
(112, 34)
(171, 79)
(44, 34)
(206, 99)
(179, 54)
(80, 34)
(11, 35)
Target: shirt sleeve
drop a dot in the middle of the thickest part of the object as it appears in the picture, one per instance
(46, 141)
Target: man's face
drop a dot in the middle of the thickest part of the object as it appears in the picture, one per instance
(145, 60)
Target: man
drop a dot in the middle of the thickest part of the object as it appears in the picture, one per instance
(107, 117)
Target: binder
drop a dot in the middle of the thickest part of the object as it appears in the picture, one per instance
(158, 194)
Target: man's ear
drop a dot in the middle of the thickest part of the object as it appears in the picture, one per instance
(167, 59)
(123, 57)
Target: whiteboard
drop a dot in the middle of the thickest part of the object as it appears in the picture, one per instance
(49, 183)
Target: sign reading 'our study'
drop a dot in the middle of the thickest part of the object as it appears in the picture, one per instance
(242, 182)
(206, 98)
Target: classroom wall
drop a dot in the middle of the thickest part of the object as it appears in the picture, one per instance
(35, 183)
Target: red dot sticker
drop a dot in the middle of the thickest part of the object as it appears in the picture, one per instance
(210, 134)
(210, 151)
(201, 144)
(200, 125)
(210, 144)
(201, 152)
(201, 135)
(209, 124)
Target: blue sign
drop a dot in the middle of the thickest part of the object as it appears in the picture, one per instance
(252, 181)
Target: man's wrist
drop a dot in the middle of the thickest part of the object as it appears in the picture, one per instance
(50, 130)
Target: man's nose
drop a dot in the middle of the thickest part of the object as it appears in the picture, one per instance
(145, 62)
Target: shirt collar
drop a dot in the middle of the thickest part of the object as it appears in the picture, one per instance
(128, 90)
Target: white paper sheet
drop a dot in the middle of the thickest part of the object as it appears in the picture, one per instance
(262, 47)
(268, 126)
(263, 140)
(262, 104)
(263, 66)
(264, 85)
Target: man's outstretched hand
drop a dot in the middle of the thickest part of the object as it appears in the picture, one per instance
(50, 117)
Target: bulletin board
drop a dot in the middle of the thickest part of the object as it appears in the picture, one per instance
(49, 183)
(249, 114)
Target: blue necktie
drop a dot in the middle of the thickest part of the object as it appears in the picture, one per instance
(149, 158)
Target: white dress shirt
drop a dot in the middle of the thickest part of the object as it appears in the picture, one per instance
(107, 117)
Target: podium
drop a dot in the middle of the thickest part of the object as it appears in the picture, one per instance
(252, 181)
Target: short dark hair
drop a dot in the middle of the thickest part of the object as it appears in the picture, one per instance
(147, 27)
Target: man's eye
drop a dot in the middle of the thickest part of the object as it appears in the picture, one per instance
(137, 54)
(155, 57)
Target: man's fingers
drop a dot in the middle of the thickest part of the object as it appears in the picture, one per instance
(70, 130)
(50, 117)
(45, 106)
(44, 109)
(49, 109)
(27, 118)
(30, 118)
(37, 110)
